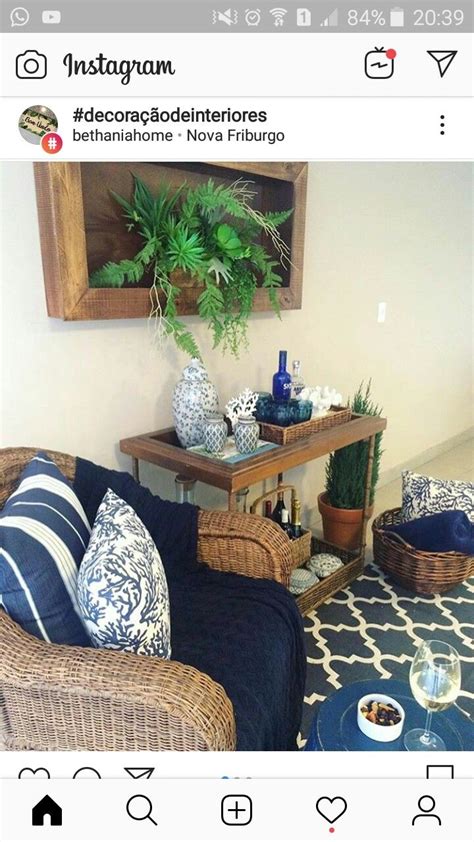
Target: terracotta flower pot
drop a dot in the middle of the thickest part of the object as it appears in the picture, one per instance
(341, 527)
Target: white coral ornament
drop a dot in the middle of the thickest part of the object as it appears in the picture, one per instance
(322, 398)
(243, 406)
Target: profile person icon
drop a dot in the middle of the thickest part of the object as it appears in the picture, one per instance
(426, 804)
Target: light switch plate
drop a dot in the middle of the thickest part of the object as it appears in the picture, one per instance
(381, 311)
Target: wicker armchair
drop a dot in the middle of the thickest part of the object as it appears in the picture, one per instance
(68, 698)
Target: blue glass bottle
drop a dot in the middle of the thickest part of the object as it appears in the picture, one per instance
(282, 380)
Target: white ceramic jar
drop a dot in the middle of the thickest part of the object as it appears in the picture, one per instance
(194, 397)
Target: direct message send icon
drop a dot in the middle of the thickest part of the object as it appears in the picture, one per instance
(443, 58)
(137, 772)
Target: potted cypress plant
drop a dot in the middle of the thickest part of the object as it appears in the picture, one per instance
(341, 505)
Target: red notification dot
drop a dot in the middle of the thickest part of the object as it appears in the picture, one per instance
(331, 830)
(52, 143)
(391, 54)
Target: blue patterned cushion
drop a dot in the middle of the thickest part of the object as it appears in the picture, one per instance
(44, 534)
(423, 496)
(122, 587)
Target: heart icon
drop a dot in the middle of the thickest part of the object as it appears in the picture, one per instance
(41, 772)
(331, 809)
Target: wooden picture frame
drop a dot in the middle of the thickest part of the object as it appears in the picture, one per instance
(65, 234)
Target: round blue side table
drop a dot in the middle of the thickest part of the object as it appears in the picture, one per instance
(335, 724)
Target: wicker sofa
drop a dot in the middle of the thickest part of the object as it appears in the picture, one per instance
(68, 698)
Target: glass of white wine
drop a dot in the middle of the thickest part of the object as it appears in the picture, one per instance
(435, 680)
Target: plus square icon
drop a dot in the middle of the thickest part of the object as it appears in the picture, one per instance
(236, 809)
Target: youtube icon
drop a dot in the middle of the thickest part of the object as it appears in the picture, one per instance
(51, 16)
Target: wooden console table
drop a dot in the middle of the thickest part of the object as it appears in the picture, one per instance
(162, 448)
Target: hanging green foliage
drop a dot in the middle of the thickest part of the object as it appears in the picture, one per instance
(213, 233)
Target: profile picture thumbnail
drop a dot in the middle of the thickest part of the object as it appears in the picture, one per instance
(36, 122)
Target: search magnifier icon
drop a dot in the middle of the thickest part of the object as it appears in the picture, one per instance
(19, 16)
(139, 808)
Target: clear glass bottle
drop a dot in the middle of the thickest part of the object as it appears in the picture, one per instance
(297, 382)
(282, 380)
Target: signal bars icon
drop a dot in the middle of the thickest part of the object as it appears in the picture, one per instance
(279, 16)
(332, 19)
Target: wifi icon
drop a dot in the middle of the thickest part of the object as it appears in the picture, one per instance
(279, 16)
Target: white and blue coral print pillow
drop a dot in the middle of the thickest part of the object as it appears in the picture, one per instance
(122, 587)
(428, 496)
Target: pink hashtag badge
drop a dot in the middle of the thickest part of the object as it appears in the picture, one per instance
(52, 143)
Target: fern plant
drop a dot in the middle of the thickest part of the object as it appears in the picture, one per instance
(346, 468)
(213, 233)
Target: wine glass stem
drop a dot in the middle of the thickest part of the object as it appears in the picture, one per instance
(426, 736)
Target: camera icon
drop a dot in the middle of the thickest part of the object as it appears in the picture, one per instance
(31, 65)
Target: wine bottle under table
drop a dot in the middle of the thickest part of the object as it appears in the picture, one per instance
(296, 518)
(279, 508)
(285, 523)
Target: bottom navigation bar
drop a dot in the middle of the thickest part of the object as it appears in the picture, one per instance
(261, 809)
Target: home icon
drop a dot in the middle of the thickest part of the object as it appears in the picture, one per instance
(47, 807)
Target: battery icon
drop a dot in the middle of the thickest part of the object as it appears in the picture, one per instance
(397, 16)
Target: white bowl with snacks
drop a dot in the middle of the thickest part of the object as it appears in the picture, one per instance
(380, 717)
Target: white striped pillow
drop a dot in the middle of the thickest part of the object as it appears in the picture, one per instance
(44, 533)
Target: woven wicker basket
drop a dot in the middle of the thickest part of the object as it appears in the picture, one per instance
(300, 547)
(425, 573)
(325, 588)
(286, 435)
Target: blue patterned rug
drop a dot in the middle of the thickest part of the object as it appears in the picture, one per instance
(372, 630)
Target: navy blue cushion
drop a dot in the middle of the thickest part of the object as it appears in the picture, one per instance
(247, 634)
(172, 526)
(44, 534)
(440, 533)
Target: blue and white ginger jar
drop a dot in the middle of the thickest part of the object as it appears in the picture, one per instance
(194, 397)
(246, 434)
(215, 433)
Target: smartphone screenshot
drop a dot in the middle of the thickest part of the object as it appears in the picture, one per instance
(237, 421)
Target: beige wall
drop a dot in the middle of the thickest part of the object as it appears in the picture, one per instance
(400, 233)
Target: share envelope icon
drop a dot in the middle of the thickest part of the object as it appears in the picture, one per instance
(139, 771)
(443, 58)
